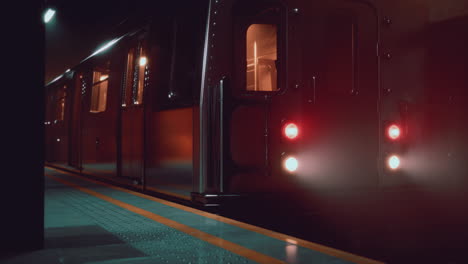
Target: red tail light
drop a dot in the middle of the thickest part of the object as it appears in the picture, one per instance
(393, 132)
(291, 131)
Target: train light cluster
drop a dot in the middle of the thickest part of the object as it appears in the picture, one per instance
(291, 131)
(393, 132)
(291, 164)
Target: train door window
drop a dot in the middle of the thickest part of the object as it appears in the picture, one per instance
(99, 91)
(340, 53)
(61, 98)
(261, 56)
(259, 41)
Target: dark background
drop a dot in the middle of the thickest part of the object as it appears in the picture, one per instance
(22, 117)
(33, 54)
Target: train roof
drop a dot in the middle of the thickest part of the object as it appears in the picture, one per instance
(68, 74)
(107, 46)
(133, 25)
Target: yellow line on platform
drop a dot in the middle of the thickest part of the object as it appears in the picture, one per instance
(235, 248)
(288, 239)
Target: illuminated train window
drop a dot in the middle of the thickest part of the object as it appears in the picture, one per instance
(99, 92)
(61, 96)
(140, 69)
(135, 77)
(128, 77)
(262, 53)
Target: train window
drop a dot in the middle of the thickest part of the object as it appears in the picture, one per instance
(135, 76)
(261, 57)
(259, 40)
(99, 92)
(140, 67)
(52, 107)
(128, 77)
(142, 64)
(61, 96)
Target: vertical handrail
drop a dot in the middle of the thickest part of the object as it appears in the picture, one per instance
(202, 143)
(314, 88)
(221, 134)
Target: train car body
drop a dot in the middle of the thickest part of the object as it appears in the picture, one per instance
(338, 106)
(103, 119)
(343, 72)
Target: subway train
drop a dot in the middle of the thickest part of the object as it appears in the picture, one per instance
(355, 110)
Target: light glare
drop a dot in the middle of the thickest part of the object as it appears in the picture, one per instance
(56, 78)
(291, 164)
(48, 15)
(393, 132)
(143, 61)
(105, 47)
(394, 162)
(291, 131)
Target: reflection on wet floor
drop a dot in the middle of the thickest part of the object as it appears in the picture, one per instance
(91, 222)
(172, 179)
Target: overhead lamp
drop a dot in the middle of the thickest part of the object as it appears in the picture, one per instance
(48, 15)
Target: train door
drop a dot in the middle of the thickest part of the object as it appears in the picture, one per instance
(50, 135)
(132, 115)
(259, 56)
(59, 125)
(341, 119)
(75, 123)
(47, 134)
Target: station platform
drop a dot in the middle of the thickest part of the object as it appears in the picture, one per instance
(91, 222)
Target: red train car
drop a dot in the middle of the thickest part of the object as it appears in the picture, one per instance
(126, 112)
(334, 105)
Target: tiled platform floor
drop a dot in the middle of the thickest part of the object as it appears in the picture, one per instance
(90, 222)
